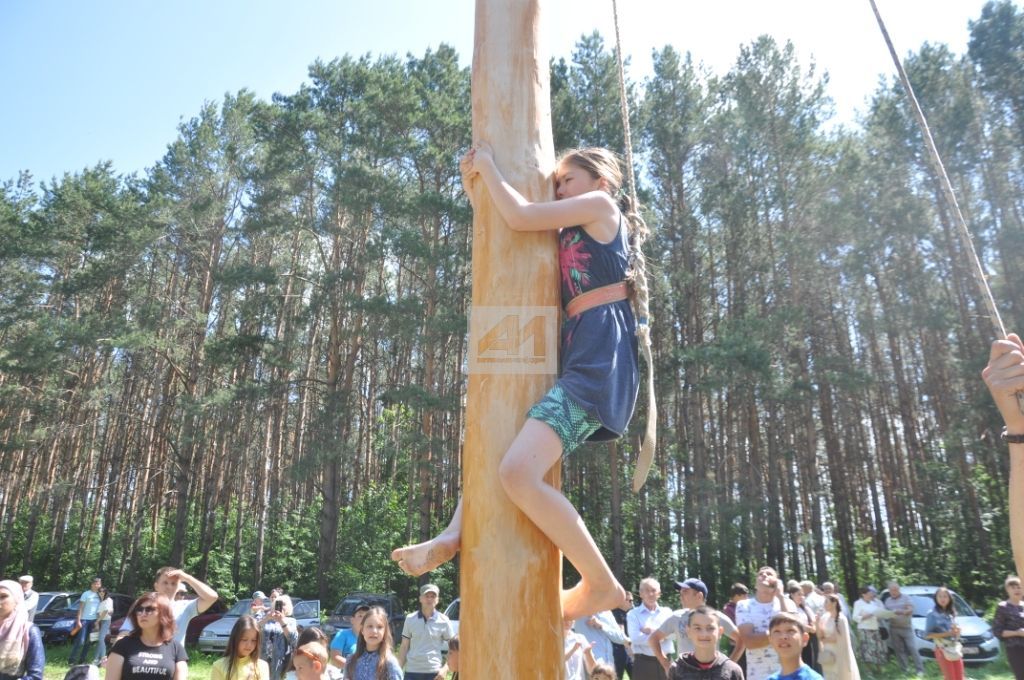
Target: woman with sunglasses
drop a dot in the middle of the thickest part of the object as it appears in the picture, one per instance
(150, 651)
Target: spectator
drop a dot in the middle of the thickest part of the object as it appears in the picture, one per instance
(150, 652)
(31, 596)
(1008, 625)
(814, 599)
(311, 661)
(641, 622)
(258, 609)
(829, 588)
(809, 620)
(103, 615)
(788, 638)
(21, 645)
(602, 671)
(85, 620)
(168, 582)
(602, 633)
(941, 628)
(836, 655)
(704, 661)
(901, 632)
(373, 658)
(753, 616)
(280, 636)
(692, 594)
(344, 643)
(579, 660)
(737, 594)
(624, 652)
(241, 660)
(867, 614)
(314, 634)
(422, 636)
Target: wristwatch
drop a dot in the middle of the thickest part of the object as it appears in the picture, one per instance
(1011, 438)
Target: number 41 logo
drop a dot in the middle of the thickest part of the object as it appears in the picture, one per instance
(513, 340)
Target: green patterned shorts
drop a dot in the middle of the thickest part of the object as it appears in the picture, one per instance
(566, 417)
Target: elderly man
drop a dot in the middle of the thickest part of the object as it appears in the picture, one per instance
(641, 623)
(813, 599)
(900, 629)
(31, 596)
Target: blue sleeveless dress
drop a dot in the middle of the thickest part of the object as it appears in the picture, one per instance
(599, 364)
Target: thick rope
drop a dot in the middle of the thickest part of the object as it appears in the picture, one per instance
(638, 277)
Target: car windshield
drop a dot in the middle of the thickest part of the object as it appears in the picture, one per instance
(43, 601)
(347, 607)
(925, 603)
(241, 607)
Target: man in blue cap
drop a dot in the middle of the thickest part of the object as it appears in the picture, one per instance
(693, 593)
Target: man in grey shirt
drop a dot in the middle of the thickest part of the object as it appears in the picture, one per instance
(423, 635)
(693, 593)
(900, 629)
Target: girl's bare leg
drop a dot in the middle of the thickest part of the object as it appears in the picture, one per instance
(533, 452)
(429, 555)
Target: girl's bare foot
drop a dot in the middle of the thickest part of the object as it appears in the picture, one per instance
(583, 600)
(427, 556)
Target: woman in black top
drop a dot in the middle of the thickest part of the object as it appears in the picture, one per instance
(149, 652)
(1009, 625)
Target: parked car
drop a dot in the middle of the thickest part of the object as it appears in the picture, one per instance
(52, 606)
(195, 626)
(214, 637)
(60, 630)
(341, 617)
(452, 612)
(980, 644)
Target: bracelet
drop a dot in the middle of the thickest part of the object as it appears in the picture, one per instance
(1011, 438)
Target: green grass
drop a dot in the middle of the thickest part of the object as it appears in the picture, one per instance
(199, 665)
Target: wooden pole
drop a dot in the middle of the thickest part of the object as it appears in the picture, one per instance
(510, 616)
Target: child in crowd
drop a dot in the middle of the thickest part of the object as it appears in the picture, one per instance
(311, 661)
(344, 643)
(579, 659)
(602, 671)
(594, 398)
(705, 662)
(373, 658)
(241, 660)
(308, 635)
(788, 637)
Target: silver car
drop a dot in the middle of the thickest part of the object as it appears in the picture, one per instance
(980, 644)
(214, 638)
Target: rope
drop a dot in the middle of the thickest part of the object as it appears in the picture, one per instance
(638, 266)
(947, 189)
(947, 186)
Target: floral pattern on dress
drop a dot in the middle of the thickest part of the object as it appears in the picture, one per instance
(574, 261)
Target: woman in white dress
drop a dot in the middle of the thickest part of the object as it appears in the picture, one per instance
(836, 656)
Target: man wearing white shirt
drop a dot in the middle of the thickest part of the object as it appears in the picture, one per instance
(31, 596)
(168, 581)
(641, 622)
(602, 633)
(812, 598)
(753, 616)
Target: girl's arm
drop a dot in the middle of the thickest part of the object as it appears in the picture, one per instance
(588, 659)
(523, 215)
(181, 670)
(115, 664)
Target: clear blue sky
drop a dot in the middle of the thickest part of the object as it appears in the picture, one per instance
(85, 81)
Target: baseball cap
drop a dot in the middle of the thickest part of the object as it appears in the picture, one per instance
(259, 595)
(693, 584)
(430, 588)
